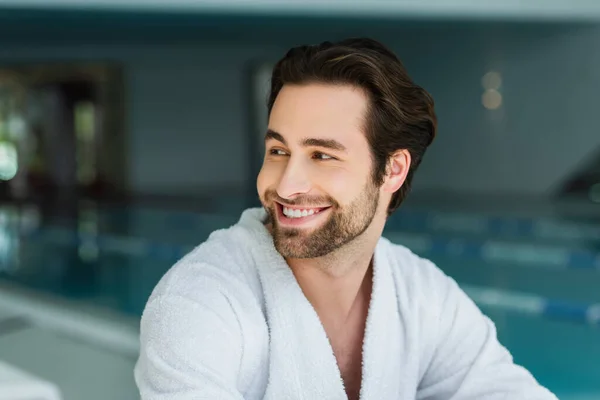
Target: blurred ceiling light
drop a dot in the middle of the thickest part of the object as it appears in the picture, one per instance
(491, 99)
(594, 193)
(8, 161)
(491, 80)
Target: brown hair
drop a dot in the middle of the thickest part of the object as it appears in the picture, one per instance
(400, 114)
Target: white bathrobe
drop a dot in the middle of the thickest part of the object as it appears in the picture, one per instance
(230, 322)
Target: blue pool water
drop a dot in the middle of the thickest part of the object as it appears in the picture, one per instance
(551, 268)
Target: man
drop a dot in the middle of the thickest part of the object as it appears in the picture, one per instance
(304, 299)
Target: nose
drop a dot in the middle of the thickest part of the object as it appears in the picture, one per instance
(294, 180)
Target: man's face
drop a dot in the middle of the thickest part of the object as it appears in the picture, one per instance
(316, 182)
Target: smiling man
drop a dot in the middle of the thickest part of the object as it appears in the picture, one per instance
(304, 298)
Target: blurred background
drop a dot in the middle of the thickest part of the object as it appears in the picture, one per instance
(130, 130)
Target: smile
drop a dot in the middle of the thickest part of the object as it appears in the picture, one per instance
(299, 213)
(298, 216)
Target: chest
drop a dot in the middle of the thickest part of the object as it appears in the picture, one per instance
(347, 346)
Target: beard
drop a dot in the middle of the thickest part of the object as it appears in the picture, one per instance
(343, 225)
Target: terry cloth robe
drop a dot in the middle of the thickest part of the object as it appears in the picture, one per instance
(230, 322)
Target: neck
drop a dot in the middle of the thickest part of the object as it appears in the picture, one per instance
(336, 283)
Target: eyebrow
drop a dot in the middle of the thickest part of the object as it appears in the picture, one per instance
(316, 142)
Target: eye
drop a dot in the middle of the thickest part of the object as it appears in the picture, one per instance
(277, 152)
(322, 156)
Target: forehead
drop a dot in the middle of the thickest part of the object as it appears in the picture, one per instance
(321, 111)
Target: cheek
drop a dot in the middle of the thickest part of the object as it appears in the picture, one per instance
(340, 184)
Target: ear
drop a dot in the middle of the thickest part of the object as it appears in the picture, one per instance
(396, 171)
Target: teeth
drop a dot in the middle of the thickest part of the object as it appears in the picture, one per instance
(290, 213)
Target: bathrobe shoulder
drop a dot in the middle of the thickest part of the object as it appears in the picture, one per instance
(229, 322)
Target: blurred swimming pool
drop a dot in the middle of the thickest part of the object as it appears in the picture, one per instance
(538, 278)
